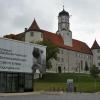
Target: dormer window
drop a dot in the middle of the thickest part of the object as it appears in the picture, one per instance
(32, 34)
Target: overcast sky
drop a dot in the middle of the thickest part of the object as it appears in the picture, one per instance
(15, 15)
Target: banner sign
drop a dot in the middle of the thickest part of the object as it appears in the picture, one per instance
(17, 56)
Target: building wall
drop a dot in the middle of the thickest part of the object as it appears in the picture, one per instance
(71, 61)
(67, 37)
(33, 36)
(96, 57)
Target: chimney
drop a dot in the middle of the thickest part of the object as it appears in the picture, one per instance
(25, 30)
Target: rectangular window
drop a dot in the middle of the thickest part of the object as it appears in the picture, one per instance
(58, 59)
(98, 64)
(98, 57)
(61, 51)
(81, 65)
(98, 51)
(32, 34)
(76, 54)
(62, 59)
(90, 57)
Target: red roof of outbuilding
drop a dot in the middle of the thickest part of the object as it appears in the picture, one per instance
(34, 26)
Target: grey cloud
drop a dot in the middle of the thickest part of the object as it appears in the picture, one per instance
(15, 15)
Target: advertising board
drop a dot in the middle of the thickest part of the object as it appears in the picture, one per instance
(17, 56)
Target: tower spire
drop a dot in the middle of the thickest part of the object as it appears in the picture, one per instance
(63, 7)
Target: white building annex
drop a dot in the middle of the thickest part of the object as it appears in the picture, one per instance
(74, 55)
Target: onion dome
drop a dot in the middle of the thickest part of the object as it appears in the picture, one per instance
(63, 13)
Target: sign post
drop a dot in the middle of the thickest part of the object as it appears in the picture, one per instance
(70, 85)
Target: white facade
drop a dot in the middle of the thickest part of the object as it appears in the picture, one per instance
(67, 60)
(71, 61)
(33, 36)
(96, 57)
(67, 37)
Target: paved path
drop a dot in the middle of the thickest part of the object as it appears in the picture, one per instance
(51, 96)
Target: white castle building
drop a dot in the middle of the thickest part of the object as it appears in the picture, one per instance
(74, 55)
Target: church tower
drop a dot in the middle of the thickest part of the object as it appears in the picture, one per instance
(64, 27)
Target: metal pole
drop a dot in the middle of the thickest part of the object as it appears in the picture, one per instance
(33, 81)
(68, 62)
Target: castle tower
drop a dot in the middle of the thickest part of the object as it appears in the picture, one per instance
(96, 53)
(64, 27)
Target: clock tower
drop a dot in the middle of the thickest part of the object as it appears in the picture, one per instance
(64, 27)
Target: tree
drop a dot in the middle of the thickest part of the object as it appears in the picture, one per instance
(94, 71)
(51, 51)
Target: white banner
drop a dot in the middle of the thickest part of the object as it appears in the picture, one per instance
(16, 56)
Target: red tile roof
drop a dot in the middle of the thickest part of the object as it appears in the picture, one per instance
(95, 45)
(57, 40)
(76, 44)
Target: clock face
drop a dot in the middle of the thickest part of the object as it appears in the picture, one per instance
(64, 25)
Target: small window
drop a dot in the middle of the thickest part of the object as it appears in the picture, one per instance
(98, 64)
(62, 59)
(87, 56)
(58, 59)
(76, 54)
(61, 51)
(98, 57)
(32, 34)
(90, 57)
(98, 51)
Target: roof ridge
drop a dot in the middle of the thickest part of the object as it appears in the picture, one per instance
(48, 31)
(95, 45)
(34, 26)
(79, 41)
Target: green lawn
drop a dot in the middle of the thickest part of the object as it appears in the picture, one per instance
(57, 82)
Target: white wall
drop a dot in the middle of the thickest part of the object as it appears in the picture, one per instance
(71, 61)
(37, 36)
(96, 54)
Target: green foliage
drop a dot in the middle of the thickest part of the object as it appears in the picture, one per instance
(51, 51)
(94, 71)
(58, 81)
(62, 77)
